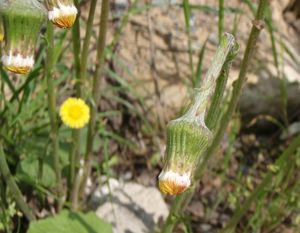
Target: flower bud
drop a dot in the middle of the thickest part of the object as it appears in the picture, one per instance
(188, 136)
(22, 22)
(62, 13)
(186, 141)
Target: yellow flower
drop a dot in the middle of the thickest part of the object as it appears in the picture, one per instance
(75, 113)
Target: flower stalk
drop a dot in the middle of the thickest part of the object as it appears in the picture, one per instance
(80, 71)
(182, 200)
(52, 114)
(81, 179)
(74, 153)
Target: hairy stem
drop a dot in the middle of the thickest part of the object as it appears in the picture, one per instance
(52, 113)
(95, 95)
(199, 106)
(81, 72)
(77, 51)
(75, 148)
(12, 185)
(86, 43)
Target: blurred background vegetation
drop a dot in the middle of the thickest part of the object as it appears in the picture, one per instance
(157, 52)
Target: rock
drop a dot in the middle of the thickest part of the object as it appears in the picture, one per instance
(164, 2)
(205, 227)
(130, 207)
(262, 101)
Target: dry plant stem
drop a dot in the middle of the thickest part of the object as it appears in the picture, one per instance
(14, 189)
(95, 96)
(52, 114)
(177, 205)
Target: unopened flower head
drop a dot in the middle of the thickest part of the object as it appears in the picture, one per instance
(22, 21)
(74, 113)
(186, 140)
(62, 12)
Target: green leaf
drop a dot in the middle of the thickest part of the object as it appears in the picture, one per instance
(68, 222)
(29, 169)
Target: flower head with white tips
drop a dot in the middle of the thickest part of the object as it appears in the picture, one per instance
(173, 183)
(17, 63)
(62, 12)
(186, 140)
(22, 21)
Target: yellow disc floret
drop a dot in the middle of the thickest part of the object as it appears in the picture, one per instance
(74, 113)
(173, 183)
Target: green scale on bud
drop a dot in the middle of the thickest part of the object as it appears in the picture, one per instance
(185, 141)
(22, 24)
(188, 136)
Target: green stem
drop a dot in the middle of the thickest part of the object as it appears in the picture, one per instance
(199, 107)
(73, 160)
(86, 43)
(221, 19)
(75, 148)
(177, 206)
(77, 50)
(52, 113)
(95, 95)
(212, 117)
(187, 15)
(81, 72)
(12, 185)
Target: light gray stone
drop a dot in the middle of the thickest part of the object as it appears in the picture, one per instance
(130, 207)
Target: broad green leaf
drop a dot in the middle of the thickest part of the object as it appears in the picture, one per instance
(68, 222)
(29, 169)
